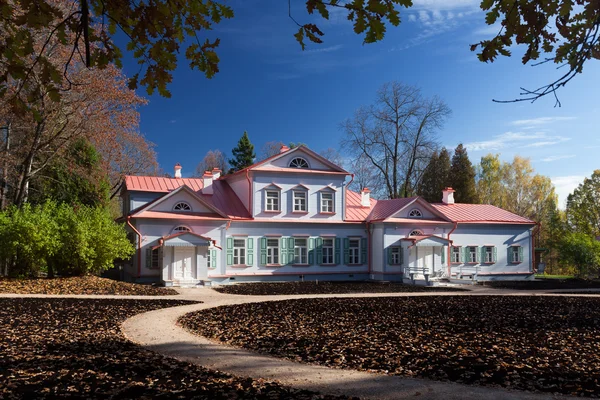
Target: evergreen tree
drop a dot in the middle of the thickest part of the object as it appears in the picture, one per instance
(462, 177)
(243, 154)
(435, 177)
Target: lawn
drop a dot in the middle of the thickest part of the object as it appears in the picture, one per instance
(528, 343)
(314, 287)
(80, 285)
(74, 348)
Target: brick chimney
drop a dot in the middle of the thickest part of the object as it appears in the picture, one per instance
(216, 173)
(365, 197)
(207, 179)
(448, 195)
(177, 170)
(283, 149)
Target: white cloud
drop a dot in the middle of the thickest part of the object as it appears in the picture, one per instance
(487, 30)
(424, 16)
(324, 49)
(564, 185)
(412, 18)
(556, 158)
(540, 121)
(445, 4)
(173, 121)
(522, 139)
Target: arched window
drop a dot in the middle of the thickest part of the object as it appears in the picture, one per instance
(182, 206)
(181, 228)
(416, 232)
(298, 162)
(416, 213)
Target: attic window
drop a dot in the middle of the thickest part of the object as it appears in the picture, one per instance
(182, 228)
(182, 206)
(416, 213)
(298, 162)
(416, 233)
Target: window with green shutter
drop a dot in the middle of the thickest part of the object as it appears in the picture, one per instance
(346, 251)
(311, 251)
(291, 250)
(263, 250)
(338, 251)
(284, 252)
(250, 251)
(213, 258)
(319, 250)
(229, 251)
(363, 250)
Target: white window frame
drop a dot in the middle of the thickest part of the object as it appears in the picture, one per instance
(417, 212)
(489, 255)
(301, 251)
(269, 204)
(327, 205)
(455, 254)
(329, 255)
(395, 253)
(303, 200)
(354, 252)
(239, 252)
(415, 232)
(155, 258)
(183, 206)
(514, 255)
(273, 252)
(297, 166)
(181, 228)
(472, 255)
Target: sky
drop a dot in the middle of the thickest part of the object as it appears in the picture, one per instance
(272, 89)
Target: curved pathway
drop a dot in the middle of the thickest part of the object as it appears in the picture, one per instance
(158, 331)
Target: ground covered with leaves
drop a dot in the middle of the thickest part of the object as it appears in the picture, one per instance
(547, 344)
(313, 287)
(74, 348)
(80, 285)
(545, 284)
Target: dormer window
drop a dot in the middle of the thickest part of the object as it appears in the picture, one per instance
(182, 206)
(298, 162)
(416, 213)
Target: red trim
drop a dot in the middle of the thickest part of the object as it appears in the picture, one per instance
(139, 249)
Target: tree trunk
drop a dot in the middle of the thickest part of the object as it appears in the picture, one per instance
(22, 192)
(4, 182)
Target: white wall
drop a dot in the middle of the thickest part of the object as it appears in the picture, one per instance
(168, 204)
(138, 199)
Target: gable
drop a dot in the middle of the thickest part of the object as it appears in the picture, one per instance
(183, 196)
(417, 205)
(315, 161)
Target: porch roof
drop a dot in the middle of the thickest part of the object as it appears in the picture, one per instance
(427, 240)
(186, 239)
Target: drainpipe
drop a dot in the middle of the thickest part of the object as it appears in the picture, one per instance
(369, 263)
(534, 231)
(139, 247)
(249, 194)
(346, 194)
(449, 247)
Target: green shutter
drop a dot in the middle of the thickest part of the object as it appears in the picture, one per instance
(521, 254)
(213, 258)
(319, 250)
(263, 251)
(509, 255)
(346, 251)
(338, 251)
(495, 254)
(229, 251)
(148, 258)
(363, 250)
(283, 251)
(443, 255)
(389, 255)
(311, 251)
(482, 251)
(291, 250)
(250, 251)
(465, 252)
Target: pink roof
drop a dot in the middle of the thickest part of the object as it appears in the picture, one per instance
(473, 213)
(223, 198)
(354, 210)
(386, 208)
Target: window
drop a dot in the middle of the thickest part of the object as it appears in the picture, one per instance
(328, 251)
(272, 203)
(272, 251)
(208, 258)
(182, 206)
(354, 251)
(395, 256)
(300, 253)
(299, 200)
(154, 262)
(416, 233)
(415, 213)
(181, 228)
(455, 255)
(327, 202)
(472, 254)
(488, 254)
(516, 254)
(299, 162)
(239, 252)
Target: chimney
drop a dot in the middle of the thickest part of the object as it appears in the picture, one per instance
(365, 197)
(207, 179)
(283, 149)
(216, 173)
(177, 170)
(448, 195)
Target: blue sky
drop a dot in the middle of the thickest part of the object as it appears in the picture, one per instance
(269, 87)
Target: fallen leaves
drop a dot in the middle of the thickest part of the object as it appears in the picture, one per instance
(74, 348)
(545, 284)
(313, 287)
(528, 343)
(80, 285)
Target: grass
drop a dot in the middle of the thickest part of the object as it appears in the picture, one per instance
(544, 276)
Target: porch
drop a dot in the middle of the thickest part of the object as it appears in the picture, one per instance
(426, 259)
(185, 259)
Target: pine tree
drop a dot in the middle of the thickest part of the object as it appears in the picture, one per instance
(462, 177)
(435, 177)
(243, 154)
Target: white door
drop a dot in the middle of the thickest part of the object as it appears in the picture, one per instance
(183, 263)
(426, 259)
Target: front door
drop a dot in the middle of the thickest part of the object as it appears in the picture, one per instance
(426, 259)
(183, 263)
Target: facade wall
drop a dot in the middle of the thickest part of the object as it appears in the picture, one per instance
(168, 204)
(315, 184)
(138, 199)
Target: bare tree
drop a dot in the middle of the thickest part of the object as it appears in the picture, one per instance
(270, 149)
(212, 159)
(334, 156)
(397, 135)
(366, 176)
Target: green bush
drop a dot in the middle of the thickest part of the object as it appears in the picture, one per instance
(60, 239)
(582, 251)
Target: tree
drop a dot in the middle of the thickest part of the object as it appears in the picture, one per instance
(583, 251)
(583, 206)
(397, 134)
(155, 30)
(270, 149)
(435, 177)
(491, 178)
(243, 154)
(462, 177)
(365, 176)
(568, 31)
(334, 156)
(212, 159)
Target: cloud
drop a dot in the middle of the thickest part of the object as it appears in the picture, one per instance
(556, 158)
(445, 4)
(522, 139)
(565, 185)
(173, 121)
(487, 30)
(540, 121)
(285, 76)
(412, 18)
(324, 49)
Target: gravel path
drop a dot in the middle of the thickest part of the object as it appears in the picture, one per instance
(158, 331)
